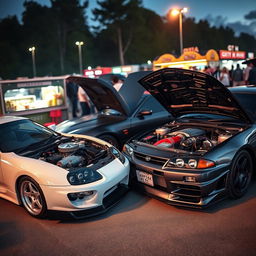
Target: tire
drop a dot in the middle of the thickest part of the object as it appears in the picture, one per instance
(110, 139)
(32, 197)
(240, 174)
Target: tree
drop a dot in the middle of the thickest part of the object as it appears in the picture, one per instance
(149, 37)
(54, 33)
(69, 18)
(10, 56)
(118, 16)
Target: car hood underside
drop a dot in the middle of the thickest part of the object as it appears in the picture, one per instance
(183, 91)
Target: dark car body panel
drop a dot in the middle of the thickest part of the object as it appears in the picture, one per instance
(104, 95)
(129, 101)
(170, 185)
(189, 187)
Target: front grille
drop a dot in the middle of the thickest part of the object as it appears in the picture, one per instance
(150, 159)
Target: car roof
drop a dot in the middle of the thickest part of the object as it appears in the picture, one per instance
(8, 119)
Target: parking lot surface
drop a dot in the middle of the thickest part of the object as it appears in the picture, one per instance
(138, 225)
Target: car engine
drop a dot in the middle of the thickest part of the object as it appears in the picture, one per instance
(75, 153)
(188, 139)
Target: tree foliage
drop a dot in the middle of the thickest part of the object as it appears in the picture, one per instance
(126, 33)
(120, 17)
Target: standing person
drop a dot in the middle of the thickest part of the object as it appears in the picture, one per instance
(247, 70)
(117, 83)
(216, 73)
(237, 76)
(231, 75)
(72, 89)
(208, 70)
(84, 101)
(252, 73)
(224, 76)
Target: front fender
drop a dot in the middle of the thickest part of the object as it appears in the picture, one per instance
(15, 166)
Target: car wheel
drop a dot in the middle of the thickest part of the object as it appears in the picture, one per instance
(110, 139)
(240, 174)
(32, 197)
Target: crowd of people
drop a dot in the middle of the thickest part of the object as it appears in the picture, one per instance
(235, 76)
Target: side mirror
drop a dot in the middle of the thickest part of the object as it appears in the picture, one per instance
(145, 112)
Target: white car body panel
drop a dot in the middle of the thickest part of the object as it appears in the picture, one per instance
(113, 174)
(53, 179)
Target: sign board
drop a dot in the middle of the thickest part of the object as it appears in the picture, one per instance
(191, 49)
(232, 55)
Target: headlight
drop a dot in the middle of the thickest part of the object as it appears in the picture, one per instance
(117, 154)
(83, 176)
(189, 163)
(179, 162)
(128, 150)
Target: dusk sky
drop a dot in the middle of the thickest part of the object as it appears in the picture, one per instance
(217, 12)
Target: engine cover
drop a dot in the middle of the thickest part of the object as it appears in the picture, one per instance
(68, 147)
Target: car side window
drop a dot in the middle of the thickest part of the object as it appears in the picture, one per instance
(151, 104)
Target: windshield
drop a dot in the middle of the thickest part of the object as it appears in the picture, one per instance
(21, 134)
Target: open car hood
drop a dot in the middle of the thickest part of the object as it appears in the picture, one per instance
(104, 95)
(183, 91)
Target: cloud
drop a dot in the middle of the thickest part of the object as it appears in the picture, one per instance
(216, 21)
(251, 15)
(238, 26)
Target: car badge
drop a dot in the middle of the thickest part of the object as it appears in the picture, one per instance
(147, 158)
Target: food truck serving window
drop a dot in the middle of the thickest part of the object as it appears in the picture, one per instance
(23, 96)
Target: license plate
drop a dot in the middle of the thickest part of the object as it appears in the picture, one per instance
(145, 178)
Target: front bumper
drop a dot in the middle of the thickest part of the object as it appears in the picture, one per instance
(105, 192)
(170, 185)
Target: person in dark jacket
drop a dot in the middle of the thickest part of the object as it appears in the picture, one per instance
(237, 76)
(72, 90)
(252, 73)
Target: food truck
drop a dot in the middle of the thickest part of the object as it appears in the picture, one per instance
(43, 100)
(191, 58)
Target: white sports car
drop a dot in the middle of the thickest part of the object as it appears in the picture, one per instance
(44, 170)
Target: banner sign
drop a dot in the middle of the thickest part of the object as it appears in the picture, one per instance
(232, 55)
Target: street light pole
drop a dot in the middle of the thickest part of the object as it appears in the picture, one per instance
(79, 44)
(179, 12)
(181, 33)
(32, 50)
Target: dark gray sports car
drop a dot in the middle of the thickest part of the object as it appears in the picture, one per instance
(207, 152)
(120, 114)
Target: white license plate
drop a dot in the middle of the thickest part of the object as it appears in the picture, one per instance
(145, 178)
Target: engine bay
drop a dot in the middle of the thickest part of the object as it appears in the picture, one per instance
(76, 153)
(188, 139)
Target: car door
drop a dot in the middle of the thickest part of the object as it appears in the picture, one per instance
(143, 120)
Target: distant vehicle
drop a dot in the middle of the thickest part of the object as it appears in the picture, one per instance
(120, 114)
(207, 152)
(45, 170)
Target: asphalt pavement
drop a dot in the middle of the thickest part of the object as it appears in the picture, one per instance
(138, 225)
